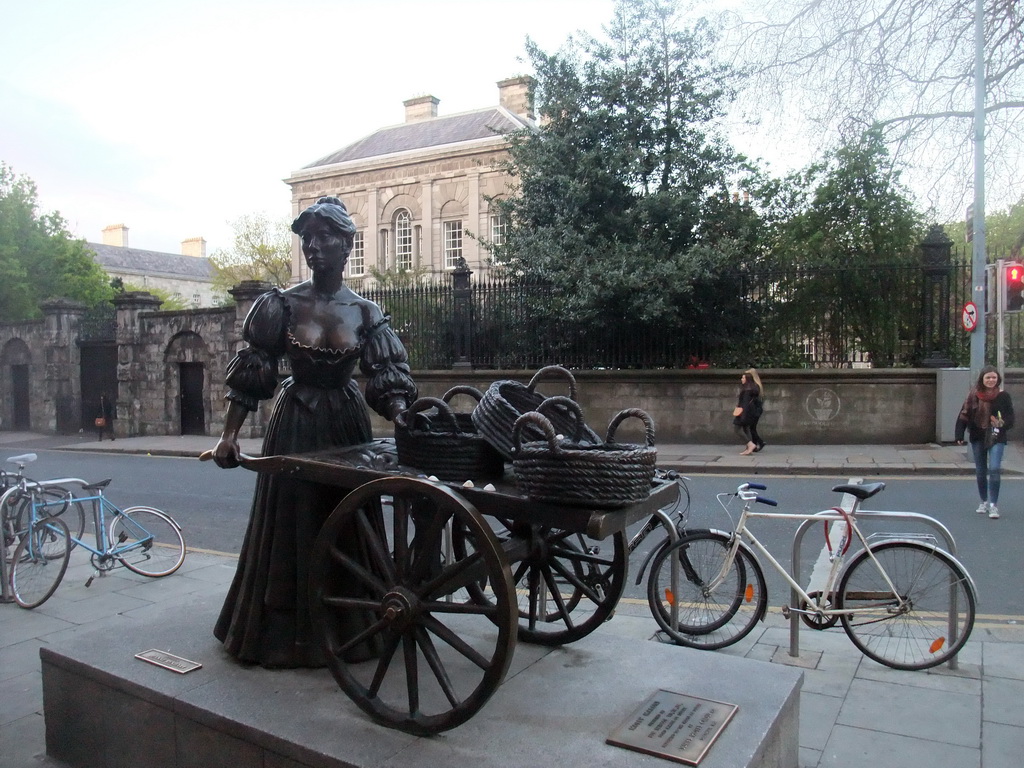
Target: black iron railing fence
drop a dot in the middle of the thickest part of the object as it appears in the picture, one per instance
(842, 317)
(799, 318)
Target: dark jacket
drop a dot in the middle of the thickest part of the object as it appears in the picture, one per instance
(750, 401)
(971, 418)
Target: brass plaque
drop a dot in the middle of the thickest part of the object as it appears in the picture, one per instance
(168, 661)
(674, 726)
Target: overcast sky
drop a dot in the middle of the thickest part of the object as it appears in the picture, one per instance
(174, 118)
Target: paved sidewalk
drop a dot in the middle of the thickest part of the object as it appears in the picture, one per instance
(853, 711)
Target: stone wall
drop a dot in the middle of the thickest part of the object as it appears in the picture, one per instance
(801, 406)
(815, 407)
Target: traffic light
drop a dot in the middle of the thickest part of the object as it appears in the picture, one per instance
(1013, 284)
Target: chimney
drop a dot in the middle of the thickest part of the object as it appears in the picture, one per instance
(194, 246)
(116, 234)
(420, 108)
(514, 95)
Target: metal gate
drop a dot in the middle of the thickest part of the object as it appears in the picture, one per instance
(98, 377)
(190, 377)
(19, 387)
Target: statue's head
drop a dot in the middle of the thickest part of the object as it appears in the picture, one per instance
(333, 212)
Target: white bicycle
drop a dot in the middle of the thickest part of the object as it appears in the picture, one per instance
(903, 602)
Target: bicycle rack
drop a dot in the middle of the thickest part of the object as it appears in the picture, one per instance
(5, 578)
(862, 514)
(6, 596)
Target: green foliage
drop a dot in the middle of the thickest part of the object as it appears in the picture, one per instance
(1004, 232)
(38, 258)
(262, 251)
(614, 189)
(846, 218)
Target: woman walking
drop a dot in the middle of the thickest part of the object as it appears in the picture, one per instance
(747, 413)
(986, 417)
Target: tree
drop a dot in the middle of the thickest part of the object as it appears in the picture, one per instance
(613, 188)
(849, 228)
(39, 259)
(907, 67)
(262, 251)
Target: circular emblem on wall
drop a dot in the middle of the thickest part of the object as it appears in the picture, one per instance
(822, 404)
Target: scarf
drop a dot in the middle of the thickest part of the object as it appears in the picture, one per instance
(982, 410)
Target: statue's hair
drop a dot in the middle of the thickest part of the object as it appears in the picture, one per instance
(333, 211)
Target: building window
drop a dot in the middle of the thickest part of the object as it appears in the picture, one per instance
(403, 240)
(357, 259)
(499, 229)
(196, 299)
(452, 243)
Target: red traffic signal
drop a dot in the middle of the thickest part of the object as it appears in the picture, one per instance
(1013, 282)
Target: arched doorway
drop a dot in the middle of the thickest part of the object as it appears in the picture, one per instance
(185, 363)
(16, 386)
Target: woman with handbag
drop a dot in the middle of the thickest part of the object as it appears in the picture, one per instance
(986, 416)
(104, 421)
(747, 413)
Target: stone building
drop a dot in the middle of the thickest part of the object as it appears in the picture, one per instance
(420, 192)
(188, 275)
(163, 370)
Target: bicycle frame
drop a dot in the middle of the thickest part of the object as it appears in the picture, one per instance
(742, 533)
(100, 505)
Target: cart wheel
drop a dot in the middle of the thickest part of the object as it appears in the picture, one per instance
(403, 636)
(564, 572)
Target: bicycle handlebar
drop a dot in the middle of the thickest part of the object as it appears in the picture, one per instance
(769, 502)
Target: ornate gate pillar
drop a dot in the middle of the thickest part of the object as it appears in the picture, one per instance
(935, 264)
(132, 392)
(61, 390)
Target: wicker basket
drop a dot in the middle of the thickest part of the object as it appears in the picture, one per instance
(446, 445)
(507, 400)
(565, 472)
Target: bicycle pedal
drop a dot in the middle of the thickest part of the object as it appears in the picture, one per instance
(122, 537)
(88, 582)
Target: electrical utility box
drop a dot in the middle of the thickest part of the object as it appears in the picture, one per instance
(952, 386)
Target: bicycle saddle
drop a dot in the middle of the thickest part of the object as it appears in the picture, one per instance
(865, 491)
(97, 485)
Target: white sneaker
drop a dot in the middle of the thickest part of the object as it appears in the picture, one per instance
(993, 512)
(982, 508)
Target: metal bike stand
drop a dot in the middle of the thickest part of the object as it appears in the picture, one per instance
(5, 578)
(794, 600)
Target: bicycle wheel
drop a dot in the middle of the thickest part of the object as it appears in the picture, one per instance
(146, 541)
(40, 562)
(707, 618)
(60, 503)
(926, 624)
(70, 511)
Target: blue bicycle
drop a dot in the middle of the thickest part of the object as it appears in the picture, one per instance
(143, 539)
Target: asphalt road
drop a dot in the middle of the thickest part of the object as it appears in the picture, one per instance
(213, 504)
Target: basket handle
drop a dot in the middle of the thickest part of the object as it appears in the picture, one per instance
(568, 404)
(562, 373)
(637, 413)
(426, 403)
(463, 389)
(532, 417)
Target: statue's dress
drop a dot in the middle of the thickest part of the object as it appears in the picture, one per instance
(265, 618)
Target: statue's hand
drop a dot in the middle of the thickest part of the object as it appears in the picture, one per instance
(226, 453)
(398, 410)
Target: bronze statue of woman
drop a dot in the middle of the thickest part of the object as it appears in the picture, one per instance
(325, 330)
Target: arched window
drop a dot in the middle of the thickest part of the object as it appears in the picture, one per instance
(403, 240)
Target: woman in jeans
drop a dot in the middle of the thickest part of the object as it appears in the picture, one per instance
(986, 416)
(749, 406)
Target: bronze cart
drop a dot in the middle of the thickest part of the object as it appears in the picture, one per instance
(449, 575)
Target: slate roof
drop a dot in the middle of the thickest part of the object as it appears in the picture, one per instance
(115, 258)
(436, 131)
